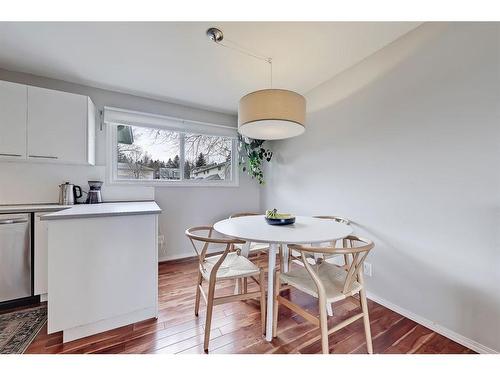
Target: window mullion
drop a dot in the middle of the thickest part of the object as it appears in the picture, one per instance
(181, 156)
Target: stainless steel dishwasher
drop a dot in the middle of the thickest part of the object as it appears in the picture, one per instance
(15, 256)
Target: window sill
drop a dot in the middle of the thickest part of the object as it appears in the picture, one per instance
(173, 183)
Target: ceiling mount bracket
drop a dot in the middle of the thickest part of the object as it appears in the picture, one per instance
(215, 34)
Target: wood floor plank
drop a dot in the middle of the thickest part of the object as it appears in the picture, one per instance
(412, 341)
(236, 326)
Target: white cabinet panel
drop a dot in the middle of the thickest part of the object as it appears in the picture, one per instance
(41, 255)
(13, 120)
(101, 273)
(58, 126)
(38, 124)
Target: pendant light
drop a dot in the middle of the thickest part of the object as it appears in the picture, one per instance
(267, 114)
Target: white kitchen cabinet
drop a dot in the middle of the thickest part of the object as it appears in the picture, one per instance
(41, 256)
(60, 127)
(13, 107)
(102, 275)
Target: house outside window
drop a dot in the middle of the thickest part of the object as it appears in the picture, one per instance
(214, 172)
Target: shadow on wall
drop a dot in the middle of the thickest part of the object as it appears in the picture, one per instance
(438, 283)
(371, 68)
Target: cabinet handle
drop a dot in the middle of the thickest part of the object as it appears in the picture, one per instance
(13, 221)
(2, 154)
(43, 156)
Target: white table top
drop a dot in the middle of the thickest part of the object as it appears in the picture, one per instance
(305, 230)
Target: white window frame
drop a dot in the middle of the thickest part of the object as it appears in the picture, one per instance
(116, 116)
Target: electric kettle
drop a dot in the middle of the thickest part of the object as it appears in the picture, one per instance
(69, 193)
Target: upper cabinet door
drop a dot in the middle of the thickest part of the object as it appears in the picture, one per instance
(12, 120)
(58, 126)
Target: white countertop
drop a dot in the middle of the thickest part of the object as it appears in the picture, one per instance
(104, 209)
(44, 207)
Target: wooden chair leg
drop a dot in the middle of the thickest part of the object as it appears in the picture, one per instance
(346, 260)
(245, 285)
(262, 283)
(277, 285)
(210, 307)
(366, 320)
(197, 299)
(323, 325)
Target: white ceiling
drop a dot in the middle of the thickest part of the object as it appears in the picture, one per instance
(175, 61)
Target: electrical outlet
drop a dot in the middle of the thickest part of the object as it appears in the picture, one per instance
(367, 269)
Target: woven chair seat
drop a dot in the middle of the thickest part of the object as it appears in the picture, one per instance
(234, 266)
(332, 277)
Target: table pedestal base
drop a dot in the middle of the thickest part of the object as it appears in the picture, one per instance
(273, 249)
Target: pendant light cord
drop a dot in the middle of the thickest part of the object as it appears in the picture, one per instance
(236, 47)
(270, 61)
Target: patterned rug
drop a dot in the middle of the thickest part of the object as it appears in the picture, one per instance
(19, 328)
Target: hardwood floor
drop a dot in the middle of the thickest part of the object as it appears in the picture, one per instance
(236, 327)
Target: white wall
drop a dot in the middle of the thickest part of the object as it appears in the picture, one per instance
(412, 157)
(183, 207)
(24, 182)
(190, 206)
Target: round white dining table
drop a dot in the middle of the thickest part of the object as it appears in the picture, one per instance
(306, 230)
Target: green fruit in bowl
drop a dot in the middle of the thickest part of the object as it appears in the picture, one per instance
(273, 214)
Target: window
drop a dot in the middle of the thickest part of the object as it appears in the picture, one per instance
(161, 151)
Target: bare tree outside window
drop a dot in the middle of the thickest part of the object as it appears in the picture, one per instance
(133, 156)
(154, 154)
(215, 151)
(210, 155)
(147, 158)
(195, 143)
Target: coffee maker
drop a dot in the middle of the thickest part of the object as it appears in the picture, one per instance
(94, 194)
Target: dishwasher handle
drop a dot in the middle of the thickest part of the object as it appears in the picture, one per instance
(13, 221)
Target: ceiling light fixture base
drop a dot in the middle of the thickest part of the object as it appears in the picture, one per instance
(215, 34)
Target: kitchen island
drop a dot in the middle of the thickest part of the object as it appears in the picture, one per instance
(102, 267)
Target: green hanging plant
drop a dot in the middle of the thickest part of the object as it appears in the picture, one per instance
(252, 155)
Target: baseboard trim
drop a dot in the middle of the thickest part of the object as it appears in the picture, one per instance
(186, 258)
(182, 258)
(465, 341)
(179, 259)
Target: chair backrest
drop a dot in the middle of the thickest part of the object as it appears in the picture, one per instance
(338, 219)
(203, 235)
(240, 214)
(356, 246)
